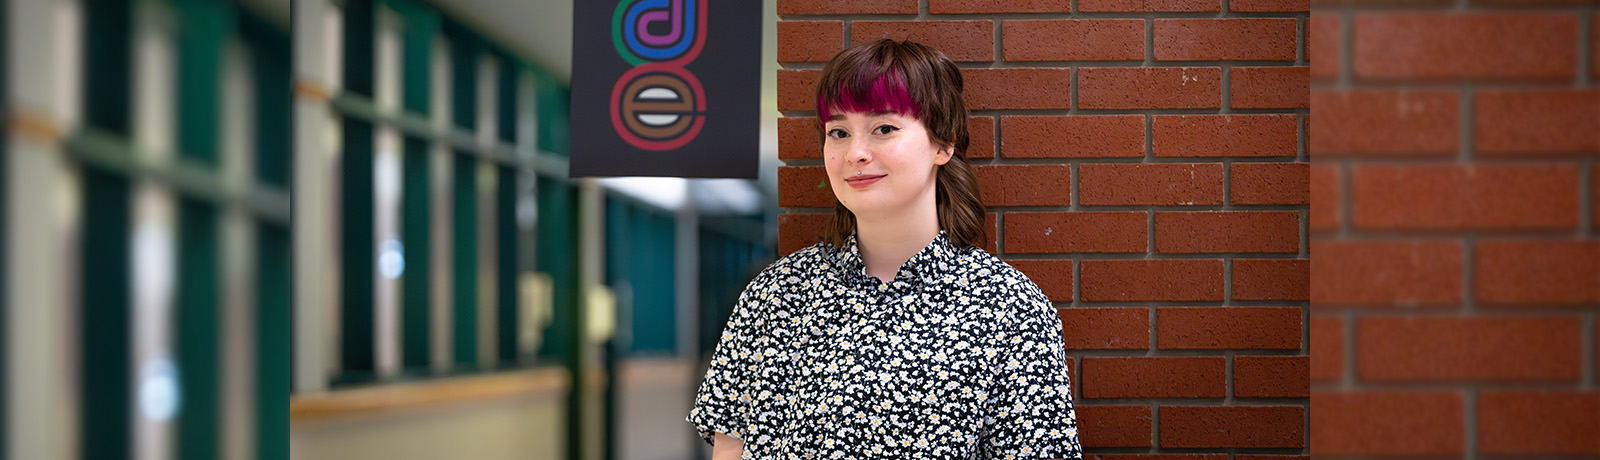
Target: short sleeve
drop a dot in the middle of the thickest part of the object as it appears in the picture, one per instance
(724, 401)
(1031, 414)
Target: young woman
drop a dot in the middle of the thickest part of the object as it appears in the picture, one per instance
(897, 336)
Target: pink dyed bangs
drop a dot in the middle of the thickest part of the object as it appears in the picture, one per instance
(887, 93)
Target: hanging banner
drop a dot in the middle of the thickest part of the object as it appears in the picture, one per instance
(666, 88)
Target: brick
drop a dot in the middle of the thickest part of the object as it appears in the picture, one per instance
(1270, 87)
(1025, 185)
(1498, 46)
(797, 89)
(1594, 200)
(1149, 184)
(798, 138)
(1325, 199)
(1464, 197)
(1271, 376)
(1536, 122)
(1218, 328)
(1155, 377)
(799, 230)
(1133, 6)
(961, 41)
(1531, 422)
(809, 41)
(1594, 47)
(1054, 277)
(980, 137)
(1327, 348)
(797, 7)
(1322, 36)
(1385, 123)
(1045, 88)
(1270, 6)
(1073, 136)
(1233, 426)
(1227, 231)
(998, 6)
(1475, 348)
(1149, 88)
(1387, 423)
(1059, 232)
(1151, 280)
(804, 186)
(1253, 135)
(1073, 40)
(1225, 39)
(1271, 279)
(1114, 426)
(1412, 274)
(1269, 183)
(1537, 272)
(1105, 328)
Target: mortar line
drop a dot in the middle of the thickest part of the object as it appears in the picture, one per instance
(1348, 380)
(1346, 202)
(1073, 190)
(1588, 338)
(1149, 42)
(1077, 282)
(1151, 312)
(1227, 281)
(1586, 181)
(846, 38)
(1072, 89)
(1155, 427)
(1149, 138)
(1469, 301)
(1300, 29)
(1227, 89)
(1302, 128)
(1227, 375)
(1150, 234)
(1305, 234)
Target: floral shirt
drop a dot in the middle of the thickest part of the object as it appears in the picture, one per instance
(959, 357)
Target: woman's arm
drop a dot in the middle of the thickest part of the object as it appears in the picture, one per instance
(726, 447)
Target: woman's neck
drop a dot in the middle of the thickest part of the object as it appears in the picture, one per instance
(886, 242)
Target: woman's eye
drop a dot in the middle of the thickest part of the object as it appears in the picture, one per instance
(885, 129)
(836, 133)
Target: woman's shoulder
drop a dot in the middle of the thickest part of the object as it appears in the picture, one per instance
(792, 268)
(1011, 288)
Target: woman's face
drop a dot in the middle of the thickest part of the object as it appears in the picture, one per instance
(881, 161)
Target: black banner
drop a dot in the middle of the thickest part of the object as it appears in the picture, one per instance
(666, 88)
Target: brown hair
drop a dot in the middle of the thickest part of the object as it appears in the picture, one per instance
(934, 85)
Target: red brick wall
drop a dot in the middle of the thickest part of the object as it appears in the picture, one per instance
(1457, 268)
(1144, 162)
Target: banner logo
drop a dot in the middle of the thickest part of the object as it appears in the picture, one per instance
(658, 104)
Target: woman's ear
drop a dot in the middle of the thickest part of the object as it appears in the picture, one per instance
(944, 155)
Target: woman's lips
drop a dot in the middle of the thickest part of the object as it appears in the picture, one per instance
(863, 181)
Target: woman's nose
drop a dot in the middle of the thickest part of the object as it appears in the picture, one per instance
(859, 151)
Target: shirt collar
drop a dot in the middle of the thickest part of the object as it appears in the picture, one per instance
(932, 259)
